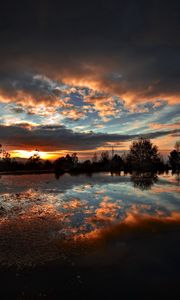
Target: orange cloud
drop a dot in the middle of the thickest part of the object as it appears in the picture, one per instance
(106, 106)
(131, 94)
(73, 114)
(135, 225)
(158, 126)
(167, 143)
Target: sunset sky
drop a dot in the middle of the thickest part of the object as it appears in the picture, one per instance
(88, 75)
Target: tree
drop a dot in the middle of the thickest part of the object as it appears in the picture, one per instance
(6, 157)
(34, 161)
(47, 164)
(177, 146)
(86, 165)
(74, 159)
(95, 158)
(174, 157)
(143, 155)
(116, 162)
(1, 150)
(67, 163)
(104, 156)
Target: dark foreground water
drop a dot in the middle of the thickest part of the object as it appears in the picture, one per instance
(89, 236)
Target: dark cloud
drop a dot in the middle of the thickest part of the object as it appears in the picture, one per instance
(17, 86)
(125, 48)
(50, 138)
(94, 39)
(18, 110)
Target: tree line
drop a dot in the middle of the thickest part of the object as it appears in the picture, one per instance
(142, 156)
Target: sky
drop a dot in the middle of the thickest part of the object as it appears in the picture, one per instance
(83, 76)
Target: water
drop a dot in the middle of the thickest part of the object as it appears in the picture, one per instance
(39, 211)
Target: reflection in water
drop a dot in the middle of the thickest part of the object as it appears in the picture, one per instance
(39, 217)
(177, 174)
(144, 181)
(137, 225)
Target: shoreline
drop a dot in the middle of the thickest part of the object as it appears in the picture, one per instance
(26, 172)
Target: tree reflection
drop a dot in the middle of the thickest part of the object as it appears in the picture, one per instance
(144, 181)
(177, 176)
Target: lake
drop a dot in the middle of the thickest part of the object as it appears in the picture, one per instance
(82, 235)
(68, 208)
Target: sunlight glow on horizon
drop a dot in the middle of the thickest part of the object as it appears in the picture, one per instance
(42, 154)
(82, 154)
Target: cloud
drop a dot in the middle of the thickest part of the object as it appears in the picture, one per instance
(134, 55)
(27, 88)
(158, 126)
(51, 138)
(73, 114)
(38, 95)
(91, 61)
(18, 110)
(105, 105)
(135, 87)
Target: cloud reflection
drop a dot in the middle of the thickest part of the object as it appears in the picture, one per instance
(39, 224)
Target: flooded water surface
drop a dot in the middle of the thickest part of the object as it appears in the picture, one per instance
(38, 212)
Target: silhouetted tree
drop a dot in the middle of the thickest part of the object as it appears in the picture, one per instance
(34, 161)
(47, 165)
(6, 157)
(84, 167)
(104, 157)
(95, 158)
(74, 159)
(1, 150)
(87, 163)
(104, 161)
(5, 160)
(67, 163)
(116, 163)
(174, 157)
(143, 155)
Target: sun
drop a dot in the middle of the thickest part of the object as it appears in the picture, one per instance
(43, 154)
(27, 154)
